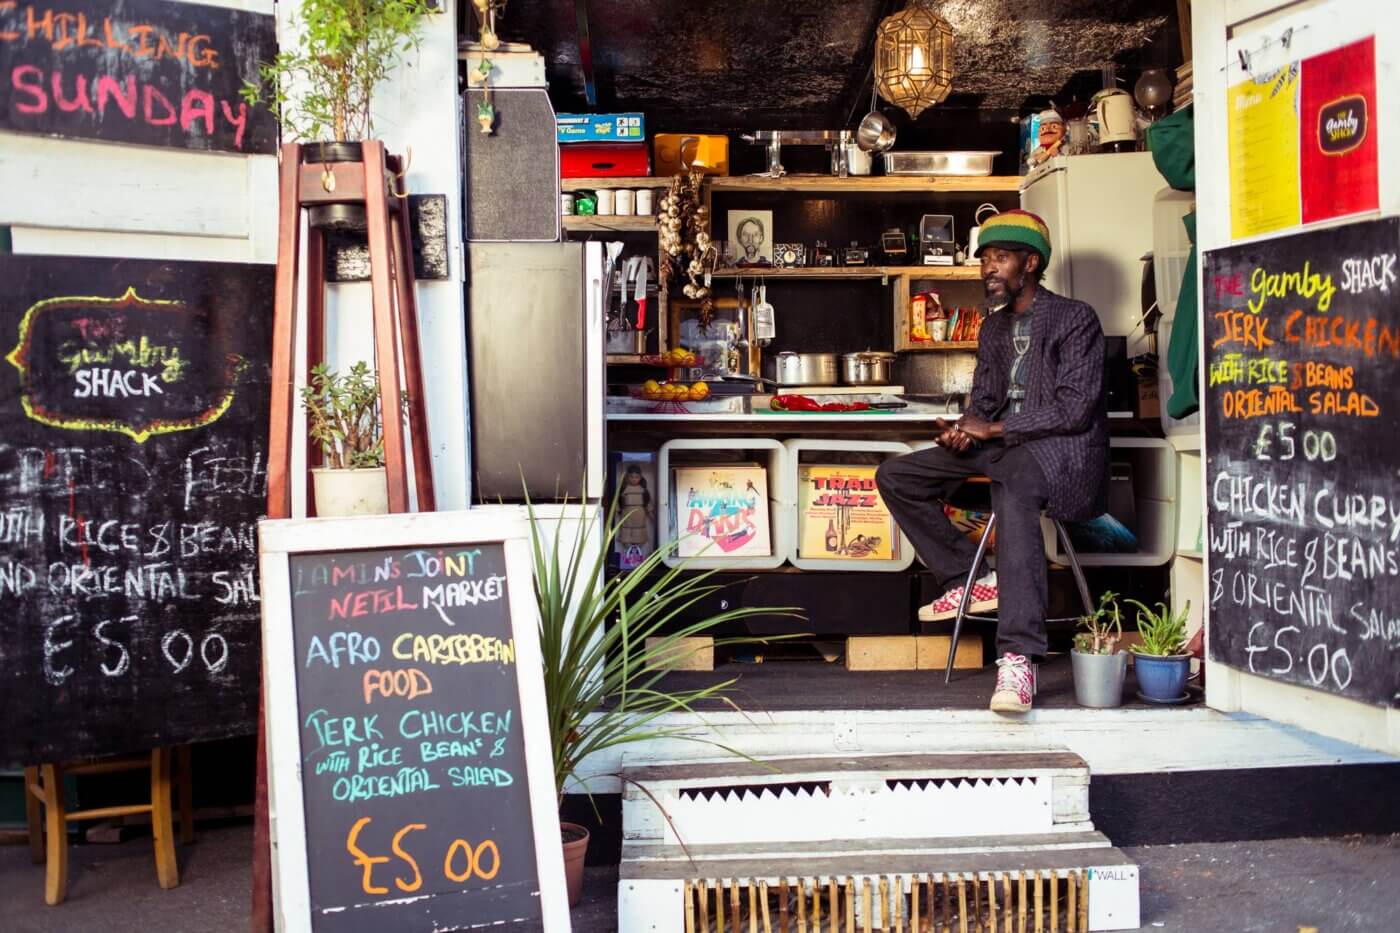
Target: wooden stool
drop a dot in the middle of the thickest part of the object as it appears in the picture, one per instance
(44, 786)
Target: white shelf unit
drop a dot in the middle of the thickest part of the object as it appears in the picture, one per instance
(719, 451)
(1154, 497)
(839, 451)
(1190, 515)
(1171, 247)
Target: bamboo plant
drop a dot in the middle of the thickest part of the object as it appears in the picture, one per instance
(602, 679)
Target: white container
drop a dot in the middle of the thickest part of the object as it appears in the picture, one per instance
(340, 493)
(566, 203)
(644, 203)
(795, 448)
(782, 502)
(626, 202)
(607, 202)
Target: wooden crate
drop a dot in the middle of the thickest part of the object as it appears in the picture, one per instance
(931, 652)
(687, 654)
(881, 653)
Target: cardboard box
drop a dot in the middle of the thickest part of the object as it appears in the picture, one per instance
(840, 515)
(722, 510)
(686, 654)
(600, 127)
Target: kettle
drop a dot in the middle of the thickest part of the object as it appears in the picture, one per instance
(1113, 109)
(972, 234)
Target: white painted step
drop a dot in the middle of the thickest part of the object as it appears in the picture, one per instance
(814, 799)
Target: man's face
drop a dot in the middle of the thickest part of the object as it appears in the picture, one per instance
(1005, 272)
(751, 238)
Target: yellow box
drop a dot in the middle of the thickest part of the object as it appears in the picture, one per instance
(674, 153)
(881, 653)
(931, 652)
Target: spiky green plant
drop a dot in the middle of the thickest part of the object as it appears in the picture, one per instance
(1163, 632)
(602, 680)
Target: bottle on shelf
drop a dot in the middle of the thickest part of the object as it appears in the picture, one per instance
(831, 535)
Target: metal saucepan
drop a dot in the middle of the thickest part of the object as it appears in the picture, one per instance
(867, 368)
(804, 369)
(875, 133)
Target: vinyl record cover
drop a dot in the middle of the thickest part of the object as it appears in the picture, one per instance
(841, 515)
(722, 511)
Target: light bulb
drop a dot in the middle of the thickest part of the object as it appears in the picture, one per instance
(916, 59)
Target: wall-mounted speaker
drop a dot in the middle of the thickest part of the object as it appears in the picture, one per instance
(511, 176)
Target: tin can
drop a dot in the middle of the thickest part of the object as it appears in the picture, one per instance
(644, 205)
(607, 202)
(626, 202)
(566, 203)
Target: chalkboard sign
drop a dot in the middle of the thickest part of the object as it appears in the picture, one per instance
(1302, 338)
(151, 72)
(133, 430)
(410, 766)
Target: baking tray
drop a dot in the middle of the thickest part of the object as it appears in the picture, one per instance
(970, 162)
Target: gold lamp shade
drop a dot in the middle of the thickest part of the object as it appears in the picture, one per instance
(914, 58)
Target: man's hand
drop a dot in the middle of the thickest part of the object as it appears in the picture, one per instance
(978, 428)
(951, 438)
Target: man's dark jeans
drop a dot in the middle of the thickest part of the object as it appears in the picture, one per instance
(914, 487)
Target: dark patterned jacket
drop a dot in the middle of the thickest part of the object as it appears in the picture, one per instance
(1064, 421)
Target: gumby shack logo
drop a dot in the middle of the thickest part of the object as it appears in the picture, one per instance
(1342, 124)
(130, 365)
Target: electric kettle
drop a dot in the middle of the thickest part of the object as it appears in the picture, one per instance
(972, 234)
(1113, 109)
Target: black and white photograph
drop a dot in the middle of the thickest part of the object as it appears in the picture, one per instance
(750, 238)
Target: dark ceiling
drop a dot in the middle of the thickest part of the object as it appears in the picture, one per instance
(715, 65)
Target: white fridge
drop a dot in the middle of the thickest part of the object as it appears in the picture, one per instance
(1099, 210)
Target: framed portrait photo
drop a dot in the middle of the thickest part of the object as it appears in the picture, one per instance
(751, 238)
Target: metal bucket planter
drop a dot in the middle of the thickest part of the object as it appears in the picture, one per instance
(1098, 679)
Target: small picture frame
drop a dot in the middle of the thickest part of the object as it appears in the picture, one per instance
(789, 255)
(750, 238)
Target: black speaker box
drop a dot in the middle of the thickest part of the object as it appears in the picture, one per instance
(511, 177)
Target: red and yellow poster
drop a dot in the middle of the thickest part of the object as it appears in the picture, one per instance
(842, 517)
(1338, 144)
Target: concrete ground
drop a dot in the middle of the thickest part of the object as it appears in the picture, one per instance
(1334, 885)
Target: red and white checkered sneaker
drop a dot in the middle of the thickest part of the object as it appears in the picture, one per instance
(984, 599)
(1015, 684)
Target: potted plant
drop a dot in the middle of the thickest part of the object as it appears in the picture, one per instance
(321, 88)
(1099, 667)
(343, 416)
(606, 643)
(1162, 663)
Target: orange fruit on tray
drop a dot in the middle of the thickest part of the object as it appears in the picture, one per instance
(699, 392)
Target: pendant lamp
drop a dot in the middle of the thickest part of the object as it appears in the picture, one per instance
(914, 58)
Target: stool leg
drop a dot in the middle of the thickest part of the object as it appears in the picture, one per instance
(967, 596)
(1075, 569)
(34, 815)
(56, 828)
(162, 820)
(185, 788)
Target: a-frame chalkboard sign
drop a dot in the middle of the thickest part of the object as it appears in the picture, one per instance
(411, 782)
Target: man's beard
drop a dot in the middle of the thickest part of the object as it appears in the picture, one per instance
(1009, 292)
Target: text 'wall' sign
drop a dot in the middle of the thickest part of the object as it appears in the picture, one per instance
(133, 427)
(151, 72)
(1303, 458)
(419, 800)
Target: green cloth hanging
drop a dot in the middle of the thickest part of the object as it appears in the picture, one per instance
(1183, 352)
(1172, 140)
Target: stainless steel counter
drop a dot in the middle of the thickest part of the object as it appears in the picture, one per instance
(754, 409)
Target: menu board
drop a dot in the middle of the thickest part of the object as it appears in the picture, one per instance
(151, 72)
(133, 432)
(418, 803)
(1302, 408)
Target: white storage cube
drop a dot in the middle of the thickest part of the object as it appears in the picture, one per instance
(782, 512)
(1154, 497)
(795, 448)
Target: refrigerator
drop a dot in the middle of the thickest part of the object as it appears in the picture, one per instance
(1099, 209)
(535, 371)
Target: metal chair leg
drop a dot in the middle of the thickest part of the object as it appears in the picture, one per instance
(967, 596)
(1075, 569)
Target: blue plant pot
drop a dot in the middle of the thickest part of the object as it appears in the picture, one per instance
(1162, 678)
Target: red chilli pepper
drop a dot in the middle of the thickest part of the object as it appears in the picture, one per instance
(793, 403)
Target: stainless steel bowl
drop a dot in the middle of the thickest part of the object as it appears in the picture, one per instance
(867, 368)
(939, 163)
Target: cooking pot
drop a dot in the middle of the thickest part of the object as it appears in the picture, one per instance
(805, 369)
(867, 368)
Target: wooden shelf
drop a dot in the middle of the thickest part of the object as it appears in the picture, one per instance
(624, 359)
(610, 223)
(956, 273)
(574, 184)
(982, 184)
(941, 345)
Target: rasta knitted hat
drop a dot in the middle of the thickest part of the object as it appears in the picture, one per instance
(1015, 228)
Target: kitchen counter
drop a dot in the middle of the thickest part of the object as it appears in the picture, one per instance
(754, 409)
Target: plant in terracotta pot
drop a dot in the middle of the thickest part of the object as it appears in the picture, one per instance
(343, 417)
(1161, 661)
(321, 88)
(1099, 666)
(606, 644)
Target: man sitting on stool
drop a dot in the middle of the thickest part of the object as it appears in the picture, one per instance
(1037, 426)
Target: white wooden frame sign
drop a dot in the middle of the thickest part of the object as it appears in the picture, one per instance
(281, 542)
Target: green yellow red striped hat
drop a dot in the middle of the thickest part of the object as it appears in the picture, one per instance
(1015, 228)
